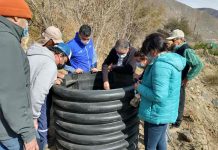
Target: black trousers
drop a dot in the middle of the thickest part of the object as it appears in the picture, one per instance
(181, 105)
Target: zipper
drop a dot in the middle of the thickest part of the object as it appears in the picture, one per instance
(88, 58)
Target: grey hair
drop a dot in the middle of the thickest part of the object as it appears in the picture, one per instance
(122, 44)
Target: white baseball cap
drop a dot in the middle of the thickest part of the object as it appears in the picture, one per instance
(53, 33)
(176, 34)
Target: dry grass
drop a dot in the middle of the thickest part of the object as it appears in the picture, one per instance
(212, 78)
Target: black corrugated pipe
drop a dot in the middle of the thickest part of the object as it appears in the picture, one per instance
(89, 118)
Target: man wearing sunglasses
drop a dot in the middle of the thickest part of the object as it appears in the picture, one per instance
(84, 58)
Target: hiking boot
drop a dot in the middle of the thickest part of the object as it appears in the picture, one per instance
(176, 124)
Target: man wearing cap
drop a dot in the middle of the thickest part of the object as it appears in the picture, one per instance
(120, 59)
(43, 73)
(192, 69)
(84, 58)
(52, 36)
(16, 123)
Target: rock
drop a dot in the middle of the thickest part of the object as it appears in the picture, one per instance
(186, 136)
(205, 95)
(215, 102)
(189, 118)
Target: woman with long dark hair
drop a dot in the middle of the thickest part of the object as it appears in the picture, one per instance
(159, 90)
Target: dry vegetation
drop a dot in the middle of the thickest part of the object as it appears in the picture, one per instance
(110, 20)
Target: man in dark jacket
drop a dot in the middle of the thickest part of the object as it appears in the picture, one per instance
(192, 69)
(16, 123)
(120, 60)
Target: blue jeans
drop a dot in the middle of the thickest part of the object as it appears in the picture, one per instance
(11, 144)
(43, 123)
(155, 136)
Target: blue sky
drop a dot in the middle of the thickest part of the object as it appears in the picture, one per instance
(201, 3)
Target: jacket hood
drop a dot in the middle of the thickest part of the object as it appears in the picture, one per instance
(12, 28)
(38, 49)
(174, 59)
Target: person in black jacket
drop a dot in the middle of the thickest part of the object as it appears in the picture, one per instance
(120, 59)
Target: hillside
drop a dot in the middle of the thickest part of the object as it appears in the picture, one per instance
(200, 118)
(210, 11)
(201, 22)
(128, 18)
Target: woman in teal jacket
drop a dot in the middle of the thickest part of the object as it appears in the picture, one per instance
(159, 90)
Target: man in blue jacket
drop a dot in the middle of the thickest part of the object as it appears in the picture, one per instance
(83, 57)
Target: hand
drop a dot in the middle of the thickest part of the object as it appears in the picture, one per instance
(78, 71)
(185, 82)
(137, 76)
(106, 85)
(94, 70)
(32, 145)
(60, 75)
(136, 85)
(35, 121)
(62, 71)
(111, 67)
(58, 81)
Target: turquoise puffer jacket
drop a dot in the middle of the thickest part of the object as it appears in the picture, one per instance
(160, 89)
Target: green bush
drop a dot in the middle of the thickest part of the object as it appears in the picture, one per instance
(213, 52)
(181, 23)
(201, 45)
(206, 47)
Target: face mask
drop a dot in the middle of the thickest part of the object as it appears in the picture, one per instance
(60, 66)
(85, 42)
(150, 58)
(25, 32)
(176, 47)
(140, 65)
(121, 56)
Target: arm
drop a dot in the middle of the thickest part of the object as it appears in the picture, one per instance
(69, 68)
(41, 86)
(194, 61)
(160, 84)
(14, 101)
(108, 61)
(94, 59)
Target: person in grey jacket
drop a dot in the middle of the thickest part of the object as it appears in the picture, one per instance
(16, 123)
(44, 62)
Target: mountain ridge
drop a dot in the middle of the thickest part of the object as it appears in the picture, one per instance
(212, 12)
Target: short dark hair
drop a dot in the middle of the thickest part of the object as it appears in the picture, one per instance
(154, 41)
(141, 55)
(122, 44)
(85, 30)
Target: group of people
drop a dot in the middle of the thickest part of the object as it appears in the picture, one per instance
(26, 78)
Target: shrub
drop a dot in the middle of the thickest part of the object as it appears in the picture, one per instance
(181, 23)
